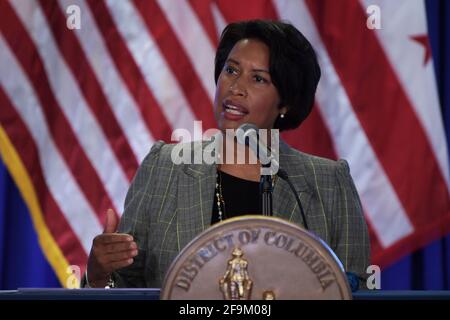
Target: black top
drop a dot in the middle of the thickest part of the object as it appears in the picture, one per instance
(240, 197)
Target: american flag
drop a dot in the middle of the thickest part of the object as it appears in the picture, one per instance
(81, 107)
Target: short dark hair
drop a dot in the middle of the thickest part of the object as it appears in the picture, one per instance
(293, 64)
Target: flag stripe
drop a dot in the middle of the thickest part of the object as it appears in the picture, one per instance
(72, 103)
(65, 139)
(180, 16)
(130, 72)
(59, 179)
(124, 107)
(151, 62)
(180, 65)
(429, 232)
(312, 136)
(203, 10)
(249, 9)
(382, 91)
(75, 58)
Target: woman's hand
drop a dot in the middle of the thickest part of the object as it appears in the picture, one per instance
(110, 251)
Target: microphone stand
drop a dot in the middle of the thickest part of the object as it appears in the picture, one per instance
(265, 188)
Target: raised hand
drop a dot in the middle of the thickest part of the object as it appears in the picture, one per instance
(110, 251)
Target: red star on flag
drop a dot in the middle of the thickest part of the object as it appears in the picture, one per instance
(425, 42)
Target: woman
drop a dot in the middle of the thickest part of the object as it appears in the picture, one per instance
(266, 74)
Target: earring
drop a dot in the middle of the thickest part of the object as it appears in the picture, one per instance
(282, 115)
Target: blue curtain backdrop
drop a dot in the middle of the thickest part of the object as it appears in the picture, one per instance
(22, 263)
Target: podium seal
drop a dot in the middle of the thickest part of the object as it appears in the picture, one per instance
(256, 258)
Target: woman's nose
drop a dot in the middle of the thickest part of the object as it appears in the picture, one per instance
(237, 89)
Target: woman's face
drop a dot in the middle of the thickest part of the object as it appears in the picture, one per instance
(245, 92)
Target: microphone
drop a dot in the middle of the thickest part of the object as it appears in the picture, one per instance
(248, 134)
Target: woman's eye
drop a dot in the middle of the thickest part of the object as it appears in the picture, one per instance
(230, 70)
(260, 79)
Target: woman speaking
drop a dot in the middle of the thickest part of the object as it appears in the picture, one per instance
(266, 74)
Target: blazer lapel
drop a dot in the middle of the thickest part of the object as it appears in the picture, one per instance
(284, 202)
(195, 198)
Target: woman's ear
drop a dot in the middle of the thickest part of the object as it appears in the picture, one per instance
(284, 110)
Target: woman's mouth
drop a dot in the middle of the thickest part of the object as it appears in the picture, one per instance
(234, 111)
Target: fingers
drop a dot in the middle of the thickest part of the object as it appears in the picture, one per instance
(107, 238)
(114, 261)
(111, 222)
(99, 277)
(120, 256)
(114, 247)
(106, 246)
(121, 264)
(120, 246)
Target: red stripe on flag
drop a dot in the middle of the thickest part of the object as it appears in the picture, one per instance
(75, 57)
(26, 53)
(416, 241)
(202, 9)
(178, 61)
(312, 136)
(237, 10)
(375, 245)
(385, 113)
(130, 72)
(57, 224)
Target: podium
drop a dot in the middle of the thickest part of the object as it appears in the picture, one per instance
(80, 294)
(154, 294)
(264, 254)
(256, 257)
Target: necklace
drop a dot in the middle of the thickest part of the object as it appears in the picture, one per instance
(219, 196)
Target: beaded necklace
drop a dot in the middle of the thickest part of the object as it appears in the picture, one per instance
(219, 196)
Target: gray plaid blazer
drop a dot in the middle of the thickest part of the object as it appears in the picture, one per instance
(168, 205)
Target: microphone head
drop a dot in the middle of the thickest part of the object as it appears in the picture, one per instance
(244, 131)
